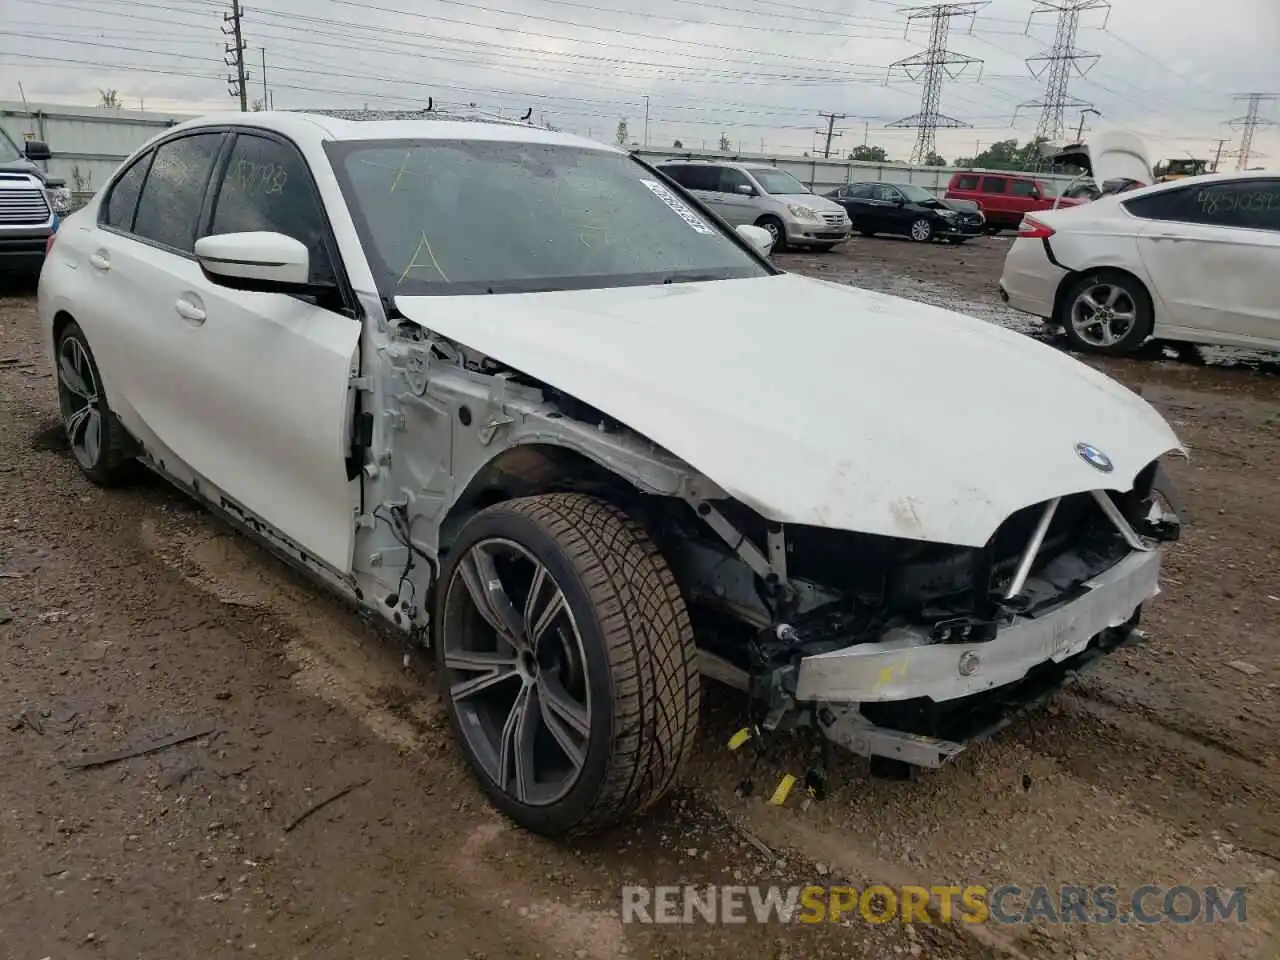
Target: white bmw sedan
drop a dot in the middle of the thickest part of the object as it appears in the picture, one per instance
(1193, 260)
(529, 401)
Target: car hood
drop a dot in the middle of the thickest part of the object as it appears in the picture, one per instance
(817, 202)
(822, 404)
(1111, 155)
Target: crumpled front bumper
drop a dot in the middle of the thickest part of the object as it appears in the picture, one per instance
(909, 665)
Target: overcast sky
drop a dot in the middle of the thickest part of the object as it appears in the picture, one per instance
(757, 70)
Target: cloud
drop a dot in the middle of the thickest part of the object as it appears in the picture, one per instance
(755, 70)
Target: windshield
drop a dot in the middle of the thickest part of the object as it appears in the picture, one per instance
(477, 216)
(8, 150)
(777, 182)
(915, 194)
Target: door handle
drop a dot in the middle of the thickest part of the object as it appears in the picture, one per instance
(99, 260)
(190, 309)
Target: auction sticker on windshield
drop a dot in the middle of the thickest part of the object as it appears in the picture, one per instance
(678, 205)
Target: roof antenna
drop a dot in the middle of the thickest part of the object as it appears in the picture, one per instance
(528, 114)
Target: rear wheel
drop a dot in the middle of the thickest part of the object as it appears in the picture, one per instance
(569, 661)
(921, 230)
(96, 438)
(1107, 313)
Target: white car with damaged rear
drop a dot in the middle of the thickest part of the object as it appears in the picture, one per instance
(516, 393)
(1190, 261)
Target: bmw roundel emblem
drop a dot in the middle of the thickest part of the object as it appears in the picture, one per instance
(1094, 457)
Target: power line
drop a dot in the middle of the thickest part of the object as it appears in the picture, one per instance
(831, 129)
(930, 67)
(1057, 64)
(1250, 122)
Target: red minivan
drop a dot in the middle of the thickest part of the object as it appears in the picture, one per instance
(1005, 197)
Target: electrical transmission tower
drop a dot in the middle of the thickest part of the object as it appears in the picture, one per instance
(1057, 64)
(235, 56)
(929, 67)
(1249, 123)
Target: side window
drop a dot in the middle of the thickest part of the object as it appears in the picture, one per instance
(122, 201)
(676, 172)
(695, 177)
(888, 194)
(967, 181)
(1021, 188)
(266, 187)
(858, 191)
(994, 184)
(731, 180)
(174, 190)
(1251, 204)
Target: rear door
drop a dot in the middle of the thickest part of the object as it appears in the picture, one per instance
(1213, 253)
(889, 209)
(855, 199)
(1024, 197)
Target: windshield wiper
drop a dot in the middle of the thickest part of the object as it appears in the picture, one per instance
(690, 277)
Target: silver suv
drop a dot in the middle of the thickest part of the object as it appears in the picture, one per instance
(765, 196)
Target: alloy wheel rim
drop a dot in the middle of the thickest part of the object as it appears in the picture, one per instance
(517, 673)
(80, 399)
(920, 230)
(1103, 315)
(773, 230)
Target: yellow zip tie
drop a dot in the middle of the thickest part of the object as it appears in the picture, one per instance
(739, 738)
(784, 790)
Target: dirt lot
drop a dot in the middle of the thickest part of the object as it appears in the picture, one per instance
(131, 615)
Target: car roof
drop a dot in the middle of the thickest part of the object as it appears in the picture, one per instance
(1206, 178)
(341, 126)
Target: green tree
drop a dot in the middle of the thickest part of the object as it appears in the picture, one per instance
(1006, 155)
(870, 154)
(935, 160)
(622, 136)
(678, 145)
(725, 145)
(109, 99)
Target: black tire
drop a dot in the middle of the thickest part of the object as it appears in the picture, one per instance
(776, 229)
(921, 230)
(105, 462)
(993, 231)
(641, 669)
(1091, 338)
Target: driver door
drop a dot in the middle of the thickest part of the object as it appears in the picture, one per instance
(736, 206)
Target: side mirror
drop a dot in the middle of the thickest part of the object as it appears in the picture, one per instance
(258, 262)
(746, 190)
(899, 202)
(36, 150)
(758, 237)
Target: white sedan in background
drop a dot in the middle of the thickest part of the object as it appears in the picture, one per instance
(1194, 260)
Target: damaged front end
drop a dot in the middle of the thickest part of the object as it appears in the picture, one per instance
(909, 650)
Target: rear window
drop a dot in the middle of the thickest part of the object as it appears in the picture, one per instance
(965, 182)
(694, 177)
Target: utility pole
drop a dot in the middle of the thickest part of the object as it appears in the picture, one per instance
(266, 94)
(929, 68)
(646, 121)
(1217, 156)
(1249, 123)
(1057, 63)
(1080, 128)
(831, 129)
(238, 86)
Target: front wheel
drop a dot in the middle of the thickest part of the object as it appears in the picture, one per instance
(1108, 313)
(569, 661)
(921, 230)
(776, 230)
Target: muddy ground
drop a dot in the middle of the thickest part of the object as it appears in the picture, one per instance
(132, 615)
